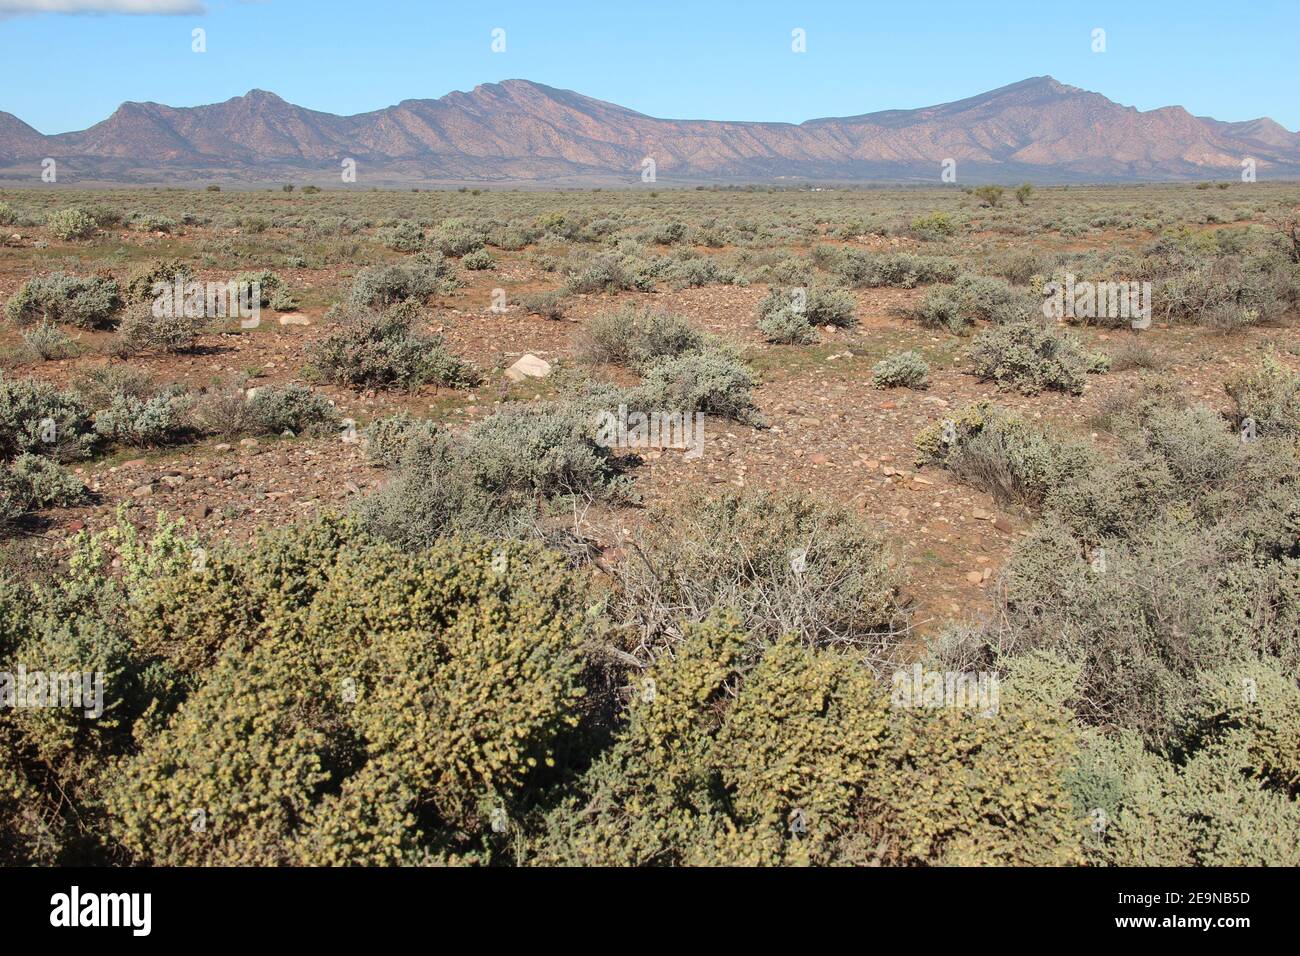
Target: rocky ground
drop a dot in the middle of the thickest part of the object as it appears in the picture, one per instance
(831, 432)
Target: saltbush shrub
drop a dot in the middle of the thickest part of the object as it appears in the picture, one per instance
(171, 333)
(70, 224)
(374, 349)
(88, 302)
(378, 287)
(787, 564)
(163, 419)
(36, 417)
(1029, 358)
(901, 370)
(294, 408)
(47, 342)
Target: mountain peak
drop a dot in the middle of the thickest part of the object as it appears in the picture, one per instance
(261, 95)
(1037, 129)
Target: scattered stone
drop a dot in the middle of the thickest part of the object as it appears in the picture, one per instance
(294, 318)
(248, 443)
(143, 491)
(974, 577)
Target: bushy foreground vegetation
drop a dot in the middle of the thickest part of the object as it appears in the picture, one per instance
(322, 697)
(454, 672)
(1162, 587)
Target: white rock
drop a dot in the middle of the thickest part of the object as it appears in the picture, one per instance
(530, 366)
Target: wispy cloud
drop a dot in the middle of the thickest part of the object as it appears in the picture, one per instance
(9, 8)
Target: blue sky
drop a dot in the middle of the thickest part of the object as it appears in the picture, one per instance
(700, 60)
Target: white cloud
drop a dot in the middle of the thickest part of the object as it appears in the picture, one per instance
(145, 7)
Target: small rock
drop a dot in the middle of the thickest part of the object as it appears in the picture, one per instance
(294, 318)
(1002, 524)
(530, 366)
(222, 447)
(142, 491)
(248, 442)
(134, 463)
(974, 577)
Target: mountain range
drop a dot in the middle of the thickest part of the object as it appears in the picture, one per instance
(521, 132)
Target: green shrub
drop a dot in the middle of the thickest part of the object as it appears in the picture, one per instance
(387, 439)
(638, 338)
(456, 237)
(902, 369)
(72, 223)
(1230, 799)
(795, 758)
(937, 225)
(88, 302)
(549, 305)
(787, 564)
(428, 691)
(378, 287)
(1029, 358)
(786, 326)
(497, 479)
(98, 387)
(163, 419)
(294, 408)
(47, 342)
(372, 349)
(142, 331)
(140, 287)
(265, 281)
(32, 482)
(405, 236)
(155, 224)
(970, 299)
(1269, 395)
(903, 270)
(1001, 453)
(1175, 558)
(613, 272)
(36, 417)
(478, 260)
(714, 382)
(282, 300)
(818, 306)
